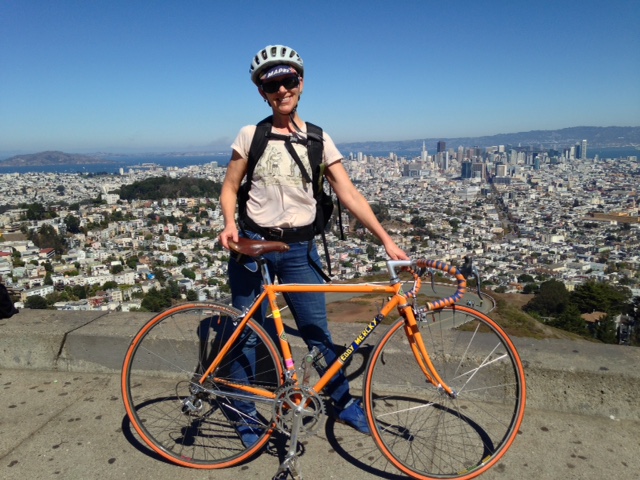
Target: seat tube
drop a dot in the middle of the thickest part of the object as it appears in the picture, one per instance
(282, 336)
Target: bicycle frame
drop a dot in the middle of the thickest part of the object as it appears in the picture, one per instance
(403, 302)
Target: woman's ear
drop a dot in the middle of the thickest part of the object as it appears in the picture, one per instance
(262, 94)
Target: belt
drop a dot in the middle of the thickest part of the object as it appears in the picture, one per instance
(286, 235)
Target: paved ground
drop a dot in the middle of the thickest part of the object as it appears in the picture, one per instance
(65, 425)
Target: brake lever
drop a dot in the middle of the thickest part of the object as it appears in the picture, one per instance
(429, 271)
(433, 280)
(469, 270)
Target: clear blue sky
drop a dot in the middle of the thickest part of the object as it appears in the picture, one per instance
(118, 76)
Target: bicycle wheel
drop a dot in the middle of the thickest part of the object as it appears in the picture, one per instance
(190, 423)
(419, 428)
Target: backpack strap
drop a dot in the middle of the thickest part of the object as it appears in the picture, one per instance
(315, 148)
(258, 145)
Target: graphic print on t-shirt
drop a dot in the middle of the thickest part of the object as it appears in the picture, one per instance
(276, 167)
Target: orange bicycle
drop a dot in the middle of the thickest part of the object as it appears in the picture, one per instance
(444, 388)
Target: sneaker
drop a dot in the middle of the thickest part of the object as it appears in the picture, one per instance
(248, 435)
(354, 416)
(247, 426)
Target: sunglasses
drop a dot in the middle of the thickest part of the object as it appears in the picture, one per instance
(288, 83)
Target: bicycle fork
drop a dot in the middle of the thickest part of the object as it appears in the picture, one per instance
(420, 353)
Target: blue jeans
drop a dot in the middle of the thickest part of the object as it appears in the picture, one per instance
(308, 309)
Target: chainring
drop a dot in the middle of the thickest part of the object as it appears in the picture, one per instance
(306, 401)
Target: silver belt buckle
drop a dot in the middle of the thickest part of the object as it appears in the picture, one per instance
(277, 232)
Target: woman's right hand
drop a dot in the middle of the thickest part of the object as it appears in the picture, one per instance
(230, 232)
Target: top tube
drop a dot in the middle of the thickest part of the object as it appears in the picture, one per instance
(256, 248)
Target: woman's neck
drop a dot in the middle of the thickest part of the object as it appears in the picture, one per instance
(285, 122)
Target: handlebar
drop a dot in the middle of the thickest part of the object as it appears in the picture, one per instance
(427, 266)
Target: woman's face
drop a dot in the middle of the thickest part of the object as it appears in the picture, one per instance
(285, 97)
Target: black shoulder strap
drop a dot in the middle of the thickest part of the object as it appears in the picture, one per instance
(258, 145)
(315, 148)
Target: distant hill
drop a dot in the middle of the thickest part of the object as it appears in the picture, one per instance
(51, 158)
(597, 137)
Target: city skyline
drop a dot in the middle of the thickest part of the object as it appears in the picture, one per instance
(133, 77)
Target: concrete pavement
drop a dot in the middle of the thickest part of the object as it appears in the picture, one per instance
(69, 425)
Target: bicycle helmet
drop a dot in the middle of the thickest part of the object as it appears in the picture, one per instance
(274, 55)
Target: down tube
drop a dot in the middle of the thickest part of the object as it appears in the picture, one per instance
(332, 371)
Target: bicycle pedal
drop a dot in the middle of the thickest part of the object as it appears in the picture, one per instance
(284, 475)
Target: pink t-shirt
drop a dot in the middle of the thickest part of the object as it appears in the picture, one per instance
(279, 195)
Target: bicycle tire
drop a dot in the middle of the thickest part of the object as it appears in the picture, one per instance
(162, 369)
(419, 428)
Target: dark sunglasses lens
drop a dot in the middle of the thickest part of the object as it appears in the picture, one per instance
(288, 83)
(291, 82)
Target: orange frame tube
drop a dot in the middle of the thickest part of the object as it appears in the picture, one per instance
(398, 300)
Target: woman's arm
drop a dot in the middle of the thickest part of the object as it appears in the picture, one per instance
(229, 197)
(358, 205)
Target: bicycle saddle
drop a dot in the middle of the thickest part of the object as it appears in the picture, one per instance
(255, 248)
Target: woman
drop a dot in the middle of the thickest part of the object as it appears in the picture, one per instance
(282, 202)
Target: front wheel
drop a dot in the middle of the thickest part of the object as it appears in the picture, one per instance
(422, 430)
(187, 421)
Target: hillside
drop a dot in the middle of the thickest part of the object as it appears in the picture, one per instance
(51, 158)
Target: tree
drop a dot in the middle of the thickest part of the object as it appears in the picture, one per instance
(595, 296)
(570, 320)
(132, 262)
(418, 221)
(78, 291)
(182, 259)
(192, 295)
(36, 302)
(35, 211)
(173, 290)
(72, 223)
(605, 330)
(525, 278)
(371, 252)
(156, 300)
(551, 300)
(47, 237)
(381, 211)
(189, 273)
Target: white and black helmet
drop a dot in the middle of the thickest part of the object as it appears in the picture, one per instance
(274, 55)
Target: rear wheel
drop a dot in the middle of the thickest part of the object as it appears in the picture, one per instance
(191, 423)
(425, 432)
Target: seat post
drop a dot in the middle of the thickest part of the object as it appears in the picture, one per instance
(264, 270)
